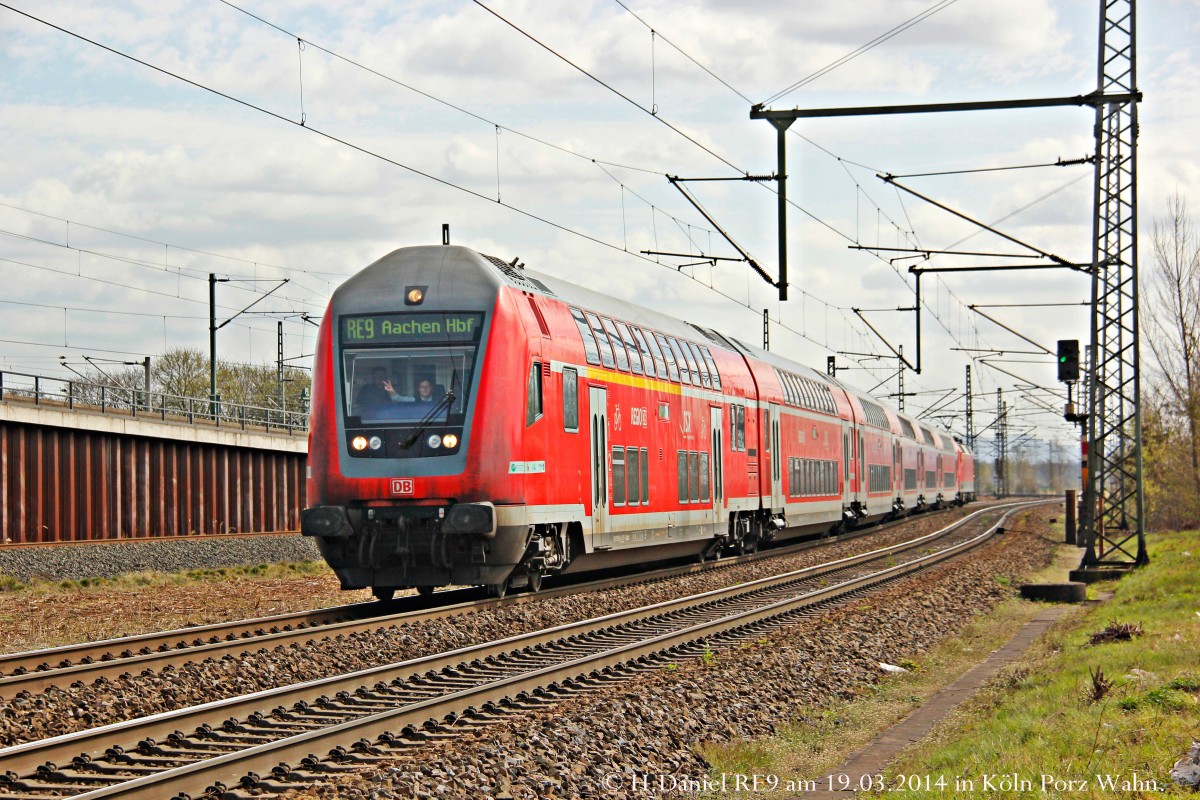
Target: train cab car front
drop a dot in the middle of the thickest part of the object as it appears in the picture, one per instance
(409, 438)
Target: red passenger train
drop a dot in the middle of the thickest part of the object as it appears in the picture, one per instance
(477, 423)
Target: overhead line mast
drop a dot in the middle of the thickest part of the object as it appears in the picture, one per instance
(1112, 518)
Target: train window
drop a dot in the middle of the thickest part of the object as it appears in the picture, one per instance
(737, 427)
(806, 388)
(633, 471)
(784, 384)
(660, 363)
(382, 385)
(645, 477)
(846, 457)
(648, 360)
(672, 367)
(683, 476)
(606, 353)
(570, 395)
(533, 399)
(618, 348)
(712, 368)
(704, 482)
(685, 375)
(830, 405)
(618, 476)
(793, 390)
(635, 360)
(690, 358)
(589, 342)
(696, 359)
(694, 477)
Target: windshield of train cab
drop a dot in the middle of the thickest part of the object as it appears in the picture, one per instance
(399, 368)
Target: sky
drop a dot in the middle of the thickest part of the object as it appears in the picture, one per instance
(264, 140)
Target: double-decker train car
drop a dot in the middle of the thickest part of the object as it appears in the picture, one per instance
(475, 423)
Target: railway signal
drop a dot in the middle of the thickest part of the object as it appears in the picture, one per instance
(1068, 360)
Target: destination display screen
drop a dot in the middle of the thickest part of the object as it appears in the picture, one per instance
(436, 327)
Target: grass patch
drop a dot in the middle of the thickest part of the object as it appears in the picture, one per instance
(142, 580)
(1097, 700)
(821, 738)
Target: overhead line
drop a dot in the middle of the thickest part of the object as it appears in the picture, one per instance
(612, 89)
(435, 98)
(878, 40)
(323, 134)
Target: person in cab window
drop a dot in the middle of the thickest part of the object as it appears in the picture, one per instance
(378, 391)
(425, 391)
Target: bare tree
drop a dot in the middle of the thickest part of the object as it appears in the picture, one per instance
(1174, 339)
(181, 372)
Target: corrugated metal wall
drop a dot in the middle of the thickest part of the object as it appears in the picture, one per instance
(63, 485)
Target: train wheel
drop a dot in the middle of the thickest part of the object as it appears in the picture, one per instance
(424, 591)
(383, 593)
(535, 580)
(498, 590)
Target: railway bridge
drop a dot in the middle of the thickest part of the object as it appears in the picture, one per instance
(80, 462)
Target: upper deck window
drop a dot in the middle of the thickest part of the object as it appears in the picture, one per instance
(589, 342)
(672, 366)
(660, 363)
(635, 360)
(712, 368)
(606, 353)
(698, 358)
(685, 375)
(618, 347)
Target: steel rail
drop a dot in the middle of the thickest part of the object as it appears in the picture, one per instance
(22, 759)
(36, 670)
(229, 768)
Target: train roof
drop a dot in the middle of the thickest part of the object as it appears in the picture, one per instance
(470, 273)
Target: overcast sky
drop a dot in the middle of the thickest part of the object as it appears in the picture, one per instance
(124, 187)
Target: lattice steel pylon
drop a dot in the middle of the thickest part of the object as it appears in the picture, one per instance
(1113, 519)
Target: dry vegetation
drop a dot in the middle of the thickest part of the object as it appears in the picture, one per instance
(46, 615)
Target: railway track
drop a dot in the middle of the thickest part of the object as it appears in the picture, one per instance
(35, 671)
(245, 748)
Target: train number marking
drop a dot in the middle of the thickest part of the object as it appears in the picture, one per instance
(402, 486)
(637, 417)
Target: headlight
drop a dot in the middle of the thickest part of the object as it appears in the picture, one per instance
(434, 441)
(450, 440)
(375, 443)
(359, 443)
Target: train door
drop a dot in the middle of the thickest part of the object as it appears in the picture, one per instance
(598, 406)
(776, 458)
(718, 464)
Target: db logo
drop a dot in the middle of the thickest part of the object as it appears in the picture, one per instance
(402, 486)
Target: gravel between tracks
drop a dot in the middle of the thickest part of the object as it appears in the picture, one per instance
(596, 745)
(63, 710)
(110, 559)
